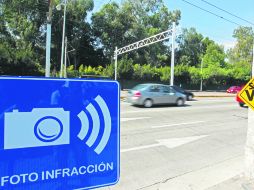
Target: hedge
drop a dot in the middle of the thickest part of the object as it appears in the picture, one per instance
(187, 75)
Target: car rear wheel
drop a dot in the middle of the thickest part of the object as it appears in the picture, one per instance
(148, 103)
(190, 97)
(180, 102)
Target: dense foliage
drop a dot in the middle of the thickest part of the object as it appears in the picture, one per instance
(119, 25)
(92, 40)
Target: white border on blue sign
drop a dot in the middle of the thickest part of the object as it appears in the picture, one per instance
(88, 80)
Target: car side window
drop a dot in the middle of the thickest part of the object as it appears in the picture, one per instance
(178, 89)
(165, 89)
(172, 90)
(154, 88)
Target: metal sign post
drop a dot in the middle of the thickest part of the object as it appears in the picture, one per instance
(249, 147)
(172, 56)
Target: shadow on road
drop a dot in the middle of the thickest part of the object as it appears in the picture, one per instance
(161, 106)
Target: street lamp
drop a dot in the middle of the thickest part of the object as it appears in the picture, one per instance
(201, 81)
(201, 68)
(48, 41)
(59, 7)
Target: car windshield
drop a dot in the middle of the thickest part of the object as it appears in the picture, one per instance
(178, 89)
(139, 87)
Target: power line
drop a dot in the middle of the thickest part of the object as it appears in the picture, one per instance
(221, 17)
(227, 12)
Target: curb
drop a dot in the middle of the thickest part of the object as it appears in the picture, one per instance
(211, 96)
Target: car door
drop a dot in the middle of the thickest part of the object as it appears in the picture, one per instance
(155, 94)
(167, 95)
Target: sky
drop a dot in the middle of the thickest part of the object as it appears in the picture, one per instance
(205, 23)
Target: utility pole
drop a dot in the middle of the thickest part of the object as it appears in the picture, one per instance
(63, 38)
(115, 56)
(249, 147)
(173, 55)
(65, 60)
(48, 39)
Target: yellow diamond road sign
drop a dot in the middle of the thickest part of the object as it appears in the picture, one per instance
(247, 94)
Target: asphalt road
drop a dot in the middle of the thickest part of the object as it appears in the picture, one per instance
(194, 147)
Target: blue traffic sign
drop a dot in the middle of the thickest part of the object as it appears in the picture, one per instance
(58, 134)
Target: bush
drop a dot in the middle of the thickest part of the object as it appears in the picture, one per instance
(149, 73)
(213, 75)
(182, 74)
(164, 73)
(71, 72)
(137, 72)
(195, 75)
(125, 68)
(109, 71)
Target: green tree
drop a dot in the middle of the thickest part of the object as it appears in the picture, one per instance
(23, 36)
(125, 68)
(190, 47)
(79, 34)
(119, 25)
(20, 36)
(244, 45)
(240, 70)
(214, 56)
(240, 56)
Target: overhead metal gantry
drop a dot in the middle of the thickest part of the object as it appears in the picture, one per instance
(146, 42)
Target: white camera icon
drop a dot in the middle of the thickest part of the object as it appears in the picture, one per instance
(40, 127)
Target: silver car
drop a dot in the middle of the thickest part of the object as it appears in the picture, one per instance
(155, 94)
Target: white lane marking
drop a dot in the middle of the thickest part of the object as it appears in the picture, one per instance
(169, 143)
(133, 118)
(175, 142)
(207, 177)
(177, 124)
